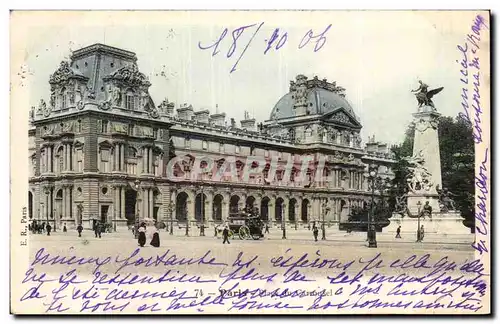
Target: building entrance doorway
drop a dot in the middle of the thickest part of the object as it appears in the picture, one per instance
(130, 201)
(104, 214)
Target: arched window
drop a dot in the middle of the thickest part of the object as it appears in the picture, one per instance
(60, 155)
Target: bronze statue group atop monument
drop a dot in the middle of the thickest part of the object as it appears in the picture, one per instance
(424, 200)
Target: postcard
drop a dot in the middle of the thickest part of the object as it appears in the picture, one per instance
(250, 162)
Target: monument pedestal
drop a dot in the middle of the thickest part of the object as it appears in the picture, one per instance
(449, 223)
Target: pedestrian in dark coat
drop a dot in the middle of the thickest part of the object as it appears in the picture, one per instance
(64, 228)
(267, 228)
(142, 236)
(315, 233)
(398, 232)
(97, 230)
(79, 229)
(225, 235)
(48, 228)
(156, 239)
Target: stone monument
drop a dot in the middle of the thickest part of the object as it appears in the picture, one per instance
(424, 180)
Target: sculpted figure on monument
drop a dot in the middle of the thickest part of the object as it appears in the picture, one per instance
(419, 179)
(424, 97)
(445, 201)
(401, 205)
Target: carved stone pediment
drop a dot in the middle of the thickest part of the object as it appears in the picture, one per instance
(63, 74)
(130, 75)
(341, 117)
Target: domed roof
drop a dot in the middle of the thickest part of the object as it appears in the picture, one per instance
(320, 98)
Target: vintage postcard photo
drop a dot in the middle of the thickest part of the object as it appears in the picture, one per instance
(250, 162)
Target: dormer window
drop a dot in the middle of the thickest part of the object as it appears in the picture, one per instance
(130, 100)
(63, 98)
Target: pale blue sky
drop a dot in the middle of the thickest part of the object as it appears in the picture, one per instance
(377, 56)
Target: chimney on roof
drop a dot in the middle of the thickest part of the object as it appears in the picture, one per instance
(202, 116)
(248, 123)
(382, 148)
(185, 112)
(218, 119)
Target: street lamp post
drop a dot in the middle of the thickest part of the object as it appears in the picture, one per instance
(187, 225)
(326, 209)
(54, 217)
(114, 214)
(283, 225)
(137, 185)
(419, 204)
(202, 225)
(372, 234)
(47, 191)
(171, 207)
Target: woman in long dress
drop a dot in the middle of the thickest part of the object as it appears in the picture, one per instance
(155, 241)
(142, 235)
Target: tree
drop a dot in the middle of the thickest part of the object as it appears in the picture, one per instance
(358, 218)
(456, 147)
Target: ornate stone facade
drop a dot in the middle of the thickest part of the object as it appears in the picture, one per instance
(100, 150)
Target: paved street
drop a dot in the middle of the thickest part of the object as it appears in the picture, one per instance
(338, 245)
(245, 264)
(300, 236)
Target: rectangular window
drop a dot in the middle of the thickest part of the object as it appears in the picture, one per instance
(130, 103)
(63, 101)
(131, 130)
(155, 133)
(238, 149)
(104, 126)
(205, 145)
(187, 143)
(105, 155)
(79, 127)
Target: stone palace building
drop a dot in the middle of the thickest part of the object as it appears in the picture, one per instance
(100, 146)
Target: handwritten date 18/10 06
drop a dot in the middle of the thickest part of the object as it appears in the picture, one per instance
(277, 40)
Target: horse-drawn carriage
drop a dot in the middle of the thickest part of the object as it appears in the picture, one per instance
(244, 224)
